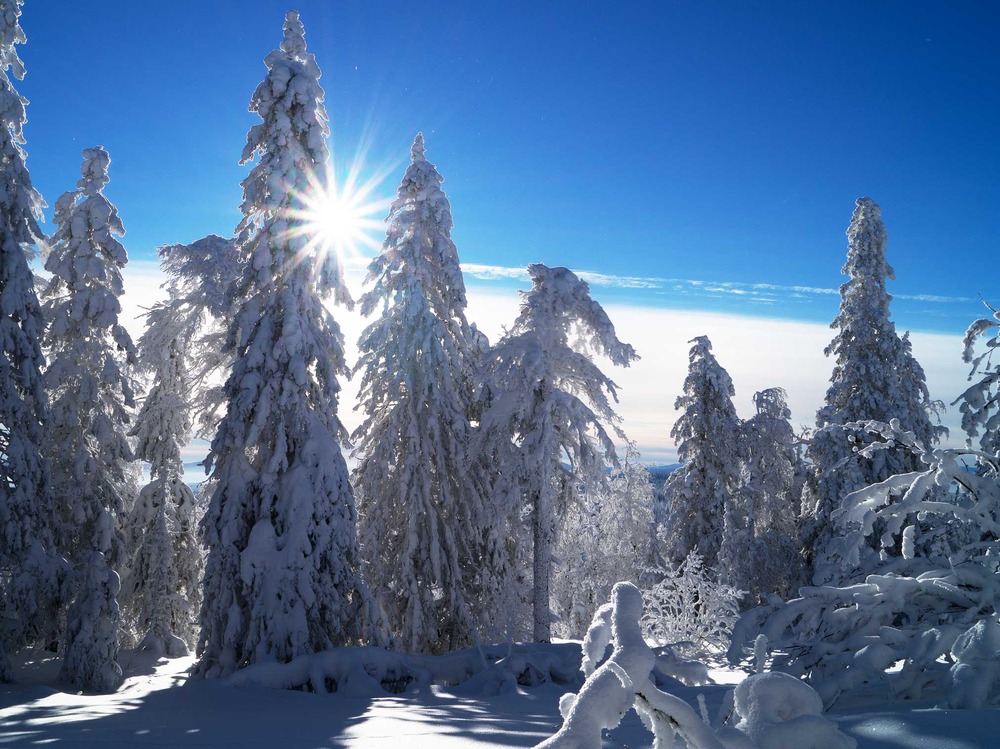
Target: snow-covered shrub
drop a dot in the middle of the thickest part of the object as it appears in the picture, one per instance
(605, 536)
(623, 683)
(778, 711)
(905, 630)
(688, 604)
(367, 671)
(975, 672)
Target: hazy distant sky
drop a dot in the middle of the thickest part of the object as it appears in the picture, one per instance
(696, 156)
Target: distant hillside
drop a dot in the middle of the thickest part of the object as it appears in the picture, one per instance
(658, 474)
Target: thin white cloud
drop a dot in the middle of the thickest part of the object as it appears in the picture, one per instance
(750, 291)
(934, 298)
(619, 282)
(759, 352)
(494, 272)
(794, 290)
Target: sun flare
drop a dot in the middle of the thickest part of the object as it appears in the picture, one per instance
(343, 217)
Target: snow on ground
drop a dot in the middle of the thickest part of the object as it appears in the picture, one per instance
(159, 708)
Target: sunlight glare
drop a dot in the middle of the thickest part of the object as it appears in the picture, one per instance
(341, 218)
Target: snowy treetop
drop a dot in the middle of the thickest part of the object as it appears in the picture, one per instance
(560, 302)
(18, 198)
(90, 225)
(95, 170)
(866, 238)
(291, 88)
(292, 153)
(294, 43)
(418, 247)
(417, 150)
(772, 402)
(201, 272)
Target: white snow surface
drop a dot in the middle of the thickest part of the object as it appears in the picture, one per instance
(159, 707)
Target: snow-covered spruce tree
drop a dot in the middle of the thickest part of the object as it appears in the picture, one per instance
(874, 378)
(161, 589)
(709, 446)
(30, 574)
(92, 391)
(182, 348)
(422, 518)
(281, 574)
(549, 403)
(760, 550)
(605, 536)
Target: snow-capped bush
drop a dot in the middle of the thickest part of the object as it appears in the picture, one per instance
(606, 535)
(623, 683)
(366, 671)
(778, 711)
(905, 631)
(975, 672)
(688, 604)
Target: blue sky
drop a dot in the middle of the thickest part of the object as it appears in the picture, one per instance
(721, 142)
(700, 157)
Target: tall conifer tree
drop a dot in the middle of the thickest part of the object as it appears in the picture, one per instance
(760, 546)
(30, 575)
(709, 446)
(875, 377)
(92, 390)
(162, 586)
(422, 518)
(550, 404)
(281, 574)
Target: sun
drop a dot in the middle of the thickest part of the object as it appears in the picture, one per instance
(341, 216)
(338, 224)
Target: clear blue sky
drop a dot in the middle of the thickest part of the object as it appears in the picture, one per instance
(721, 142)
